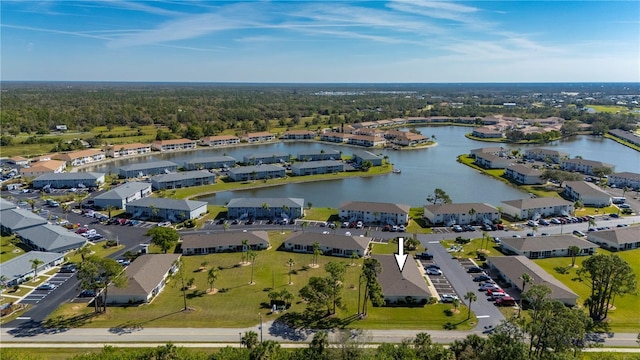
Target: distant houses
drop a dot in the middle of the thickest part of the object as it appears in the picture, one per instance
(360, 156)
(210, 162)
(138, 170)
(625, 179)
(461, 213)
(43, 167)
(533, 208)
(546, 246)
(317, 167)
(173, 210)
(182, 179)
(265, 208)
(298, 135)
(82, 157)
(124, 150)
(220, 140)
(118, 197)
(374, 212)
(69, 180)
(584, 166)
(266, 158)
(329, 244)
(486, 133)
(256, 172)
(201, 244)
(525, 175)
(545, 155)
(587, 193)
(318, 155)
(258, 137)
(174, 145)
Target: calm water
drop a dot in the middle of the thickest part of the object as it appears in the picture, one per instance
(422, 171)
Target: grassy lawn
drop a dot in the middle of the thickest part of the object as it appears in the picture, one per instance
(9, 248)
(622, 141)
(97, 249)
(238, 304)
(321, 214)
(610, 109)
(625, 317)
(542, 190)
(596, 211)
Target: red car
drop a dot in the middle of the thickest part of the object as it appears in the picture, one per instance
(82, 230)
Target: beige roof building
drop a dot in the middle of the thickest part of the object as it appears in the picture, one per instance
(44, 167)
(402, 287)
(147, 277)
(620, 238)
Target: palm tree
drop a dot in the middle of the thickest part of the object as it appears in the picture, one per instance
(290, 263)
(303, 225)
(252, 255)
(226, 226)
(109, 210)
(316, 252)
(245, 247)
(65, 209)
(32, 203)
(526, 279)
(485, 235)
(471, 296)
(250, 339)
(35, 264)
(573, 251)
(83, 252)
(265, 207)
(319, 343)
(456, 303)
(592, 221)
(212, 275)
(354, 257)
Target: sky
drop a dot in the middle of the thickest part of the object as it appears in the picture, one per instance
(329, 41)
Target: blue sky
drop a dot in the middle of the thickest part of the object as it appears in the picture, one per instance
(321, 41)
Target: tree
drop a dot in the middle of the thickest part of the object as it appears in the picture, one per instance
(319, 343)
(609, 276)
(164, 237)
(35, 264)
(83, 251)
(251, 256)
(32, 203)
(109, 210)
(439, 196)
(316, 252)
(591, 222)
(526, 279)
(573, 251)
(245, 248)
(317, 294)
(372, 291)
(354, 257)
(366, 165)
(65, 209)
(337, 271)
(97, 274)
(250, 339)
(212, 275)
(471, 296)
(601, 171)
(226, 227)
(304, 225)
(290, 263)
(181, 274)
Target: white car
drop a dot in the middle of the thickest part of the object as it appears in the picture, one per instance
(486, 287)
(402, 228)
(447, 298)
(434, 271)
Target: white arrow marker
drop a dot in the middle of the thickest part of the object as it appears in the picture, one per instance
(401, 257)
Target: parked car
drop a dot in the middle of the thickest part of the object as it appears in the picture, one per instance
(68, 268)
(498, 295)
(432, 266)
(532, 223)
(543, 222)
(424, 256)
(488, 286)
(402, 228)
(359, 225)
(87, 293)
(505, 301)
(578, 233)
(474, 270)
(448, 298)
(434, 271)
(482, 277)
(46, 286)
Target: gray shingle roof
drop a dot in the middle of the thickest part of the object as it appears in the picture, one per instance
(544, 243)
(224, 239)
(164, 203)
(6, 205)
(585, 188)
(514, 266)
(619, 236)
(271, 202)
(409, 282)
(21, 265)
(376, 207)
(461, 208)
(256, 168)
(316, 164)
(124, 191)
(592, 163)
(145, 273)
(52, 237)
(365, 155)
(183, 175)
(69, 176)
(148, 165)
(534, 203)
(319, 152)
(210, 159)
(16, 219)
(525, 170)
(329, 240)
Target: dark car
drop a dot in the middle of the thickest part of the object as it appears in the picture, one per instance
(432, 266)
(425, 256)
(87, 293)
(474, 270)
(68, 268)
(481, 278)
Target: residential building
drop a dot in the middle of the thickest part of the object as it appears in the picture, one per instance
(525, 175)
(124, 150)
(139, 170)
(511, 268)
(266, 158)
(298, 135)
(486, 133)
(628, 136)
(210, 162)
(18, 160)
(545, 155)
(44, 167)
(69, 180)
(366, 141)
(147, 276)
(461, 214)
(329, 244)
(183, 179)
(410, 139)
(360, 156)
(589, 194)
(16, 219)
(398, 288)
(625, 179)
(317, 155)
(118, 197)
(617, 239)
(490, 161)
(317, 167)
(82, 157)
(220, 140)
(493, 150)
(256, 172)
(583, 166)
(374, 212)
(256, 137)
(173, 210)
(336, 137)
(174, 145)
(19, 269)
(7, 205)
(265, 208)
(201, 244)
(534, 208)
(540, 247)
(51, 238)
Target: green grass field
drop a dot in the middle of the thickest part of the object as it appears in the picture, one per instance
(240, 302)
(10, 247)
(625, 317)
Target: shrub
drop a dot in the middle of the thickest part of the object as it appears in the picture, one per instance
(433, 300)
(448, 312)
(450, 326)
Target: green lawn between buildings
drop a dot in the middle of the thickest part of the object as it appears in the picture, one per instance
(240, 304)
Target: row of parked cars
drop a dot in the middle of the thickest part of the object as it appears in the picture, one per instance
(484, 227)
(487, 285)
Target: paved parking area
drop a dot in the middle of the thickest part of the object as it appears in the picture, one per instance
(440, 282)
(38, 295)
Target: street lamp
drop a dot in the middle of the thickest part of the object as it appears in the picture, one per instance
(240, 335)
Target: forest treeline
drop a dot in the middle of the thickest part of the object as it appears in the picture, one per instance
(211, 110)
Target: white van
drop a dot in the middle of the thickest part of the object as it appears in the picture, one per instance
(497, 295)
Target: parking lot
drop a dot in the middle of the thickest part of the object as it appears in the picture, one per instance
(440, 282)
(38, 295)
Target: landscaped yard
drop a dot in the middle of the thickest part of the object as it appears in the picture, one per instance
(625, 317)
(238, 303)
(9, 248)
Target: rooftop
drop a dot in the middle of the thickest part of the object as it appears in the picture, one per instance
(145, 273)
(409, 282)
(123, 191)
(390, 208)
(171, 204)
(544, 243)
(149, 165)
